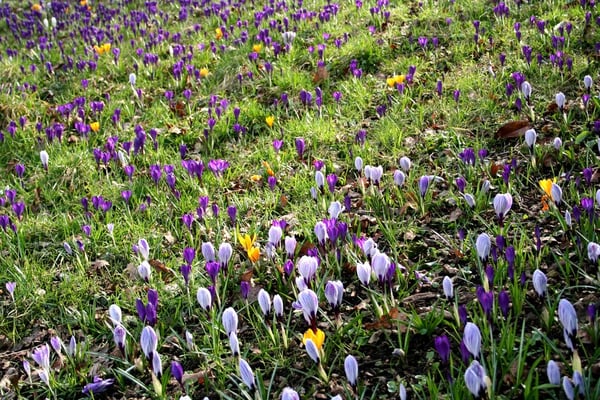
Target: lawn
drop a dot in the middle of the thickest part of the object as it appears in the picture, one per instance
(299, 199)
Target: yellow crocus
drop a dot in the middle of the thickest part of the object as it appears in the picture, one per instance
(546, 185)
(257, 48)
(268, 168)
(270, 120)
(218, 33)
(253, 254)
(246, 241)
(317, 337)
(95, 126)
(36, 7)
(203, 72)
(256, 178)
(395, 80)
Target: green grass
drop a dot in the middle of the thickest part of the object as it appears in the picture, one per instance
(66, 280)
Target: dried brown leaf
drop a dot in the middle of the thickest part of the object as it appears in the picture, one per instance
(513, 129)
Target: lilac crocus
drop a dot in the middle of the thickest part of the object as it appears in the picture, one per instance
(148, 341)
(120, 337)
(307, 267)
(204, 298)
(309, 302)
(10, 288)
(502, 204)
(264, 301)
(334, 292)
(472, 339)
(312, 350)
(448, 287)
(475, 379)
(568, 319)
(363, 270)
(380, 263)
(41, 355)
(540, 282)
(247, 374)
(483, 246)
(593, 250)
(351, 369)
(553, 372)
(44, 158)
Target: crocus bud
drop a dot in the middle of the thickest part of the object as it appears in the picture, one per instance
(593, 251)
(560, 100)
(448, 287)
(278, 306)
(483, 246)
(502, 204)
(289, 394)
(587, 82)
(204, 298)
(399, 178)
(148, 341)
(230, 320)
(247, 374)
(44, 159)
(568, 318)
(351, 369)
(553, 372)
(177, 371)
(405, 163)
(312, 350)
(225, 252)
(557, 143)
(144, 270)
(539, 282)
(208, 251)
(475, 379)
(472, 339)
(526, 89)
(320, 180)
(530, 137)
(363, 270)
(115, 314)
(358, 164)
(264, 301)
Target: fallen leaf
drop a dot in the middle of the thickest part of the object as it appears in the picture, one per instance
(321, 75)
(169, 238)
(513, 129)
(455, 215)
(160, 267)
(388, 321)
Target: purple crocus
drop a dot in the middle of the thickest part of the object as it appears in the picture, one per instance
(424, 185)
(97, 386)
(472, 339)
(300, 146)
(442, 346)
(218, 167)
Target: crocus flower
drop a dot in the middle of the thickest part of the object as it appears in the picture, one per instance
(300, 145)
(560, 100)
(264, 301)
(156, 364)
(448, 287)
(483, 246)
(380, 263)
(358, 164)
(321, 232)
(119, 336)
(230, 320)
(44, 158)
(334, 292)
(144, 270)
(41, 355)
(540, 282)
(399, 178)
(312, 350)
(208, 251)
(530, 138)
(363, 270)
(331, 182)
(143, 249)
(475, 379)
(309, 302)
(115, 314)
(568, 318)
(502, 204)
(568, 388)
(225, 252)
(289, 394)
(98, 385)
(504, 302)
(472, 339)
(278, 306)
(351, 369)
(593, 250)
(424, 185)
(442, 346)
(247, 374)
(553, 372)
(148, 341)
(177, 371)
(335, 209)
(307, 267)
(204, 298)
(10, 288)
(234, 344)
